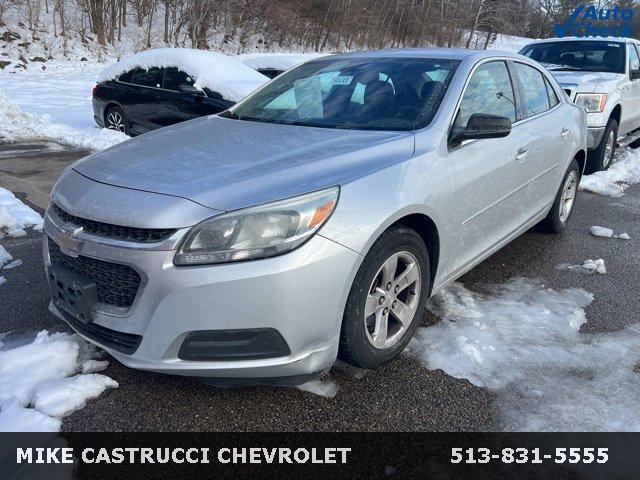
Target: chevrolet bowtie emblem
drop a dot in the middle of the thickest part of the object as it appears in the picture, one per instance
(69, 245)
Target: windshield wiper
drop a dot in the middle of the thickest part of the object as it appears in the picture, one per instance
(568, 69)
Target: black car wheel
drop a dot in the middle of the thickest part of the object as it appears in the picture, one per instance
(387, 299)
(116, 119)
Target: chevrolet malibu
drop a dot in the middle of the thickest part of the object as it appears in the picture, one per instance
(314, 218)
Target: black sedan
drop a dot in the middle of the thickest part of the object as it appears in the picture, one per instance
(143, 98)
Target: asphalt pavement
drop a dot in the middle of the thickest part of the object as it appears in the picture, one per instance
(403, 395)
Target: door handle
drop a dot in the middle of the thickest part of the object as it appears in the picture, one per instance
(565, 132)
(522, 155)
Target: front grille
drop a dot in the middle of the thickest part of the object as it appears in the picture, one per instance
(119, 232)
(120, 341)
(116, 284)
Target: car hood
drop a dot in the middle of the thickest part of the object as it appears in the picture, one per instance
(585, 82)
(227, 164)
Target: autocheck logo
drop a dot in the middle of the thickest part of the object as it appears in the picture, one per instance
(589, 21)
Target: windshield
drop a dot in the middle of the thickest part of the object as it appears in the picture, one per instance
(589, 56)
(355, 93)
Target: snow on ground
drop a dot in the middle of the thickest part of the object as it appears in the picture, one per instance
(522, 340)
(5, 257)
(588, 266)
(37, 105)
(324, 387)
(510, 43)
(614, 181)
(41, 380)
(15, 216)
(599, 231)
(219, 72)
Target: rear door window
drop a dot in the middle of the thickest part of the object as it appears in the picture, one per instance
(174, 78)
(146, 78)
(553, 97)
(536, 96)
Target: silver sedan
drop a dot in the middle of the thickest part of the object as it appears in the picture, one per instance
(313, 219)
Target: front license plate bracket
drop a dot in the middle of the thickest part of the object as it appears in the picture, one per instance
(72, 292)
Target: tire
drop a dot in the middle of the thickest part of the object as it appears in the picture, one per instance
(601, 157)
(115, 118)
(359, 335)
(557, 218)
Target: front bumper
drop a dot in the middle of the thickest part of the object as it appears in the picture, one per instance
(301, 295)
(594, 136)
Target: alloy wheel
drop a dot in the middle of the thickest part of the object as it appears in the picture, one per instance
(115, 121)
(569, 191)
(392, 300)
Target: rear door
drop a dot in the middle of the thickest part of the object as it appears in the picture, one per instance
(490, 183)
(179, 106)
(549, 130)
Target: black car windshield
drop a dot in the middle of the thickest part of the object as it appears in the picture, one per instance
(591, 56)
(355, 93)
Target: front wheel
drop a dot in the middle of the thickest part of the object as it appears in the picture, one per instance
(387, 299)
(562, 207)
(602, 156)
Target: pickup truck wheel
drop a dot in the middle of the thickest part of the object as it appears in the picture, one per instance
(601, 157)
(387, 299)
(562, 207)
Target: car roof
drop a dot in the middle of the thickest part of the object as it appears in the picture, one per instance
(444, 53)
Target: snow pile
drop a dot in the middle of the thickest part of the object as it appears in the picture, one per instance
(601, 231)
(522, 341)
(44, 375)
(277, 61)
(219, 72)
(595, 266)
(607, 233)
(588, 266)
(15, 216)
(19, 126)
(5, 257)
(614, 181)
(324, 388)
(14, 264)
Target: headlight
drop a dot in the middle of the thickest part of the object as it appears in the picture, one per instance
(257, 232)
(593, 102)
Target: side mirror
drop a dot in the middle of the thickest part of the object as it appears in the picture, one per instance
(481, 125)
(190, 89)
(634, 74)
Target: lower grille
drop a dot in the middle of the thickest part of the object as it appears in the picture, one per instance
(126, 343)
(116, 284)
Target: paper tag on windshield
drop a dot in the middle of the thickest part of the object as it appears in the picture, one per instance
(342, 80)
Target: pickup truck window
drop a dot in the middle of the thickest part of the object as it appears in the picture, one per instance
(490, 92)
(634, 60)
(579, 55)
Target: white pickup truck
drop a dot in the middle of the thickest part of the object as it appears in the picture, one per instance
(603, 76)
